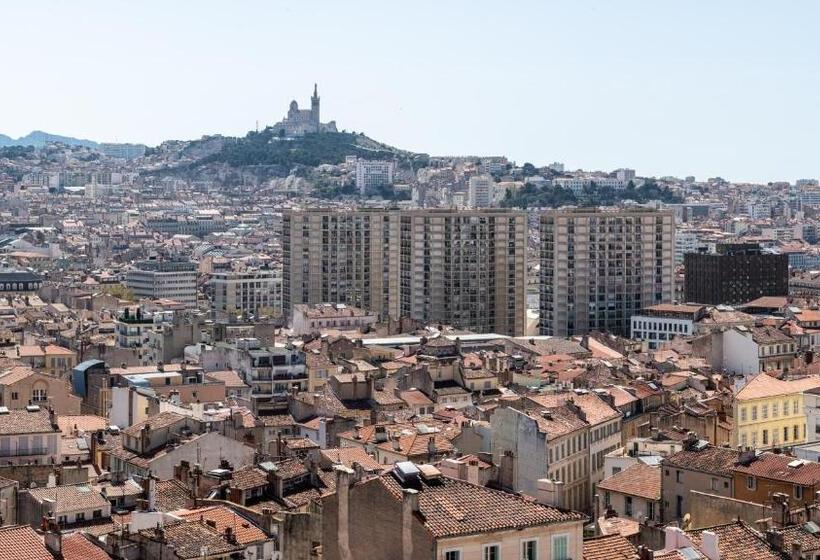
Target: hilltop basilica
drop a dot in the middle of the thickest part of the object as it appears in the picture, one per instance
(299, 122)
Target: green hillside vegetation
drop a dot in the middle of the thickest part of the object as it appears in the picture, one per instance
(267, 148)
(530, 196)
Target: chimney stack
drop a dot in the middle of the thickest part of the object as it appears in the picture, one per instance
(409, 506)
(710, 546)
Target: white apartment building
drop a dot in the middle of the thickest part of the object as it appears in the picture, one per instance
(249, 292)
(316, 318)
(481, 191)
(658, 324)
(625, 175)
(600, 267)
(371, 174)
(685, 242)
(578, 184)
(175, 280)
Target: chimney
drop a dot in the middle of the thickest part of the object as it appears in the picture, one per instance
(710, 545)
(506, 471)
(230, 537)
(396, 443)
(645, 553)
(775, 539)
(409, 507)
(431, 447)
(52, 417)
(797, 551)
(550, 492)
(344, 478)
(53, 538)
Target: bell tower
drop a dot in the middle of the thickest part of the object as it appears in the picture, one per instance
(314, 107)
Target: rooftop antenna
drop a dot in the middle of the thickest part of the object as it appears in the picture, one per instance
(257, 126)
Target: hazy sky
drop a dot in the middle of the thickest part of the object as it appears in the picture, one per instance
(704, 88)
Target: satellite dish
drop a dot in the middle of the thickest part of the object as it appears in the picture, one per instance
(687, 521)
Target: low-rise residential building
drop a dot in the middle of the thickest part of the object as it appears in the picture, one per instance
(634, 493)
(69, 505)
(658, 324)
(699, 466)
(21, 386)
(770, 412)
(758, 477)
(425, 515)
(29, 436)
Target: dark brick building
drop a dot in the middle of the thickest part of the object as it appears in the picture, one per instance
(737, 274)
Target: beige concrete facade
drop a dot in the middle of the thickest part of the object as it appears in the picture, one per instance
(600, 267)
(464, 268)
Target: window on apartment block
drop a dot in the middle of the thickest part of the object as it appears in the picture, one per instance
(765, 410)
(765, 437)
(743, 414)
(529, 550)
(628, 506)
(743, 439)
(798, 492)
(754, 413)
(560, 547)
(785, 433)
(795, 432)
(677, 476)
(794, 407)
(650, 510)
(785, 408)
(492, 552)
(452, 555)
(775, 410)
(751, 483)
(714, 483)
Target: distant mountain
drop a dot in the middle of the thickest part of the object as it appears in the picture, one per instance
(38, 139)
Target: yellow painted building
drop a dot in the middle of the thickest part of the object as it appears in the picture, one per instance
(769, 412)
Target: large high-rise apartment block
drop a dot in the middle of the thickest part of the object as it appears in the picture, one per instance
(174, 280)
(463, 268)
(737, 273)
(599, 267)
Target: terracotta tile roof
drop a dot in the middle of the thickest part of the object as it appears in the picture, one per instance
(417, 445)
(737, 541)
(770, 335)
(348, 455)
(277, 421)
(25, 422)
(609, 547)
(70, 498)
(414, 397)
(809, 542)
(21, 542)
(452, 507)
(83, 422)
(290, 468)
(76, 546)
(222, 517)
(776, 467)
(230, 378)
(638, 480)
(249, 477)
(15, 374)
(619, 526)
(188, 538)
(763, 386)
(161, 420)
(712, 460)
(172, 495)
(592, 405)
(560, 422)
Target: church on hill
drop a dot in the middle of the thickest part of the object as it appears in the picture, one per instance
(299, 122)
